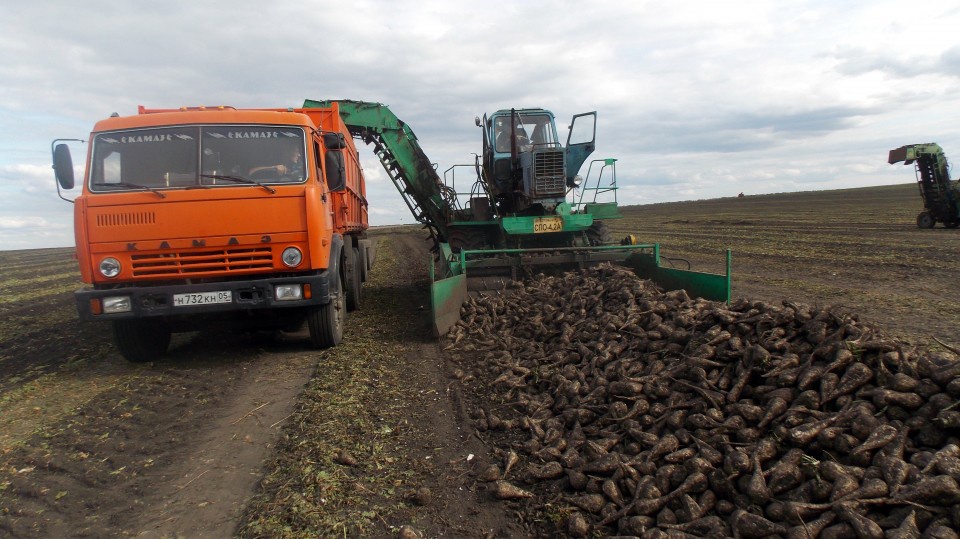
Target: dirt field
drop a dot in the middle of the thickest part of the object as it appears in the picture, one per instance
(858, 248)
(257, 435)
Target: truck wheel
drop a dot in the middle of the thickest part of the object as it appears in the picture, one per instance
(358, 277)
(925, 220)
(364, 264)
(326, 321)
(353, 282)
(141, 340)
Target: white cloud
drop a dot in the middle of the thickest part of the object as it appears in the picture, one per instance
(700, 101)
(22, 221)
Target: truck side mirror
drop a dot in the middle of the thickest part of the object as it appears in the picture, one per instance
(336, 177)
(63, 166)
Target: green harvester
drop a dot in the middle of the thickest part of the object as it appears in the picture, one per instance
(524, 210)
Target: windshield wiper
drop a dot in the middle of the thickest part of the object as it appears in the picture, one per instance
(132, 186)
(238, 179)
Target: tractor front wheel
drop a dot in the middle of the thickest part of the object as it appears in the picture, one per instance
(926, 220)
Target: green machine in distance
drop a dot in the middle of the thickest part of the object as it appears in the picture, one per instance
(941, 199)
(523, 209)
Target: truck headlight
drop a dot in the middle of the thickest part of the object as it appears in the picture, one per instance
(116, 304)
(110, 267)
(291, 256)
(288, 292)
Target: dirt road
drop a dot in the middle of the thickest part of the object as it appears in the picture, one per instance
(97, 447)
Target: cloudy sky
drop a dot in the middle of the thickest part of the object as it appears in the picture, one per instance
(698, 99)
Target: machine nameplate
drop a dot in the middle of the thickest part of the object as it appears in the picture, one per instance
(547, 224)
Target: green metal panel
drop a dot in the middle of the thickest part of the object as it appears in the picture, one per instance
(603, 210)
(524, 225)
(446, 297)
(710, 286)
(449, 293)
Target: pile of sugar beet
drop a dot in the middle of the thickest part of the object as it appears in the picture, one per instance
(637, 412)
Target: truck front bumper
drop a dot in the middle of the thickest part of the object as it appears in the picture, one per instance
(246, 295)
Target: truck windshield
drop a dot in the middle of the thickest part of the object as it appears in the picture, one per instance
(535, 130)
(197, 157)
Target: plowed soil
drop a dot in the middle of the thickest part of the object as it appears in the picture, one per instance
(259, 435)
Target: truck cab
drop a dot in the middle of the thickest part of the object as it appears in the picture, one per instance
(195, 216)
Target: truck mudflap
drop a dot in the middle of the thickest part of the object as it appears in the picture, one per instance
(187, 299)
(450, 285)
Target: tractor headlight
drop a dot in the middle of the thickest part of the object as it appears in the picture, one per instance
(292, 257)
(575, 182)
(110, 267)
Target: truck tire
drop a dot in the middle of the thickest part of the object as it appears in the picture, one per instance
(326, 321)
(352, 280)
(358, 276)
(139, 340)
(364, 263)
(926, 220)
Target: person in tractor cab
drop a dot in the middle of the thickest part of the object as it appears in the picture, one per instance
(523, 141)
(503, 138)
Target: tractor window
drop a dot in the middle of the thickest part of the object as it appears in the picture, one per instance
(538, 129)
(502, 134)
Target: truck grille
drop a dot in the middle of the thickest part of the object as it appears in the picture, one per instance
(198, 262)
(548, 174)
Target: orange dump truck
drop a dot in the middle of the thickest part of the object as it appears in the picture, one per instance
(213, 215)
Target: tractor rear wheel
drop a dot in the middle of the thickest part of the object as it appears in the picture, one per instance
(141, 340)
(599, 234)
(952, 224)
(926, 220)
(467, 238)
(326, 321)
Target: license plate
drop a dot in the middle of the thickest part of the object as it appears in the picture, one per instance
(547, 224)
(202, 298)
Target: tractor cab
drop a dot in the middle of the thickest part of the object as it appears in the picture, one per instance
(527, 169)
